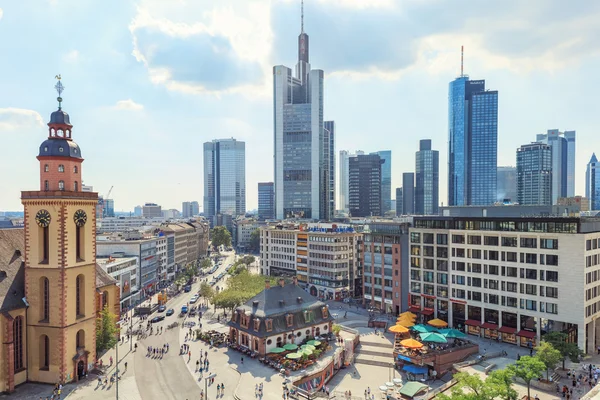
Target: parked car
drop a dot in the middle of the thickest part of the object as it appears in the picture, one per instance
(193, 299)
(161, 308)
(170, 312)
(184, 309)
(187, 288)
(158, 318)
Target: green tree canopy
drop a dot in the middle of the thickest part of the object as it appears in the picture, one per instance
(547, 354)
(528, 368)
(206, 264)
(220, 236)
(470, 387)
(502, 381)
(241, 288)
(106, 330)
(254, 244)
(206, 291)
(559, 341)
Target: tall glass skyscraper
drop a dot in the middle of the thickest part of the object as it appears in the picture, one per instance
(427, 174)
(592, 183)
(472, 142)
(329, 147)
(534, 174)
(266, 200)
(408, 193)
(344, 197)
(301, 147)
(563, 161)
(365, 185)
(224, 177)
(506, 186)
(386, 180)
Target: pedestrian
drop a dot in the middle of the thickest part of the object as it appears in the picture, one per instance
(125, 365)
(111, 361)
(197, 364)
(222, 389)
(218, 389)
(242, 360)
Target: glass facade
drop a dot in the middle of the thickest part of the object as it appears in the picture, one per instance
(365, 185)
(329, 149)
(563, 162)
(473, 143)
(224, 177)
(266, 200)
(534, 174)
(506, 184)
(408, 193)
(592, 183)
(427, 166)
(386, 180)
(399, 200)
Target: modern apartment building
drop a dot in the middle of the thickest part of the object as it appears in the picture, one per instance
(151, 210)
(512, 278)
(427, 174)
(122, 224)
(190, 243)
(302, 147)
(365, 185)
(472, 142)
(125, 271)
(385, 257)
(386, 180)
(266, 200)
(534, 174)
(224, 178)
(242, 231)
(324, 257)
(592, 183)
(506, 184)
(563, 161)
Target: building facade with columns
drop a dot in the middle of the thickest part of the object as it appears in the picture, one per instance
(279, 315)
(51, 289)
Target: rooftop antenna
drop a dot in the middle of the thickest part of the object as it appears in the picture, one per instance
(302, 16)
(59, 88)
(462, 51)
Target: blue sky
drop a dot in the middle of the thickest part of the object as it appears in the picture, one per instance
(148, 81)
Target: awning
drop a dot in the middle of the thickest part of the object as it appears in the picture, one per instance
(472, 322)
(427, 311)
(410, 389)
(401, 357)
(527, 334)
(414, 309)
(489, 325)
(507, 329)
(415, 369)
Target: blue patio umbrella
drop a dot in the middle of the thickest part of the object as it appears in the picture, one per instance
(423, 328)
(452, 333)
(433, 337)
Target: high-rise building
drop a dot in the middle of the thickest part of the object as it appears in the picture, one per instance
(152, 210)
(343, 202)
(138, 211)
(399, 200)
(365, 185)
(592, 183)
(224, 178)
(408, 193)
(534, 174)
(266, 200)
(302, 159)
(472, 142)
(563, 161)
(329, 133)
(506, 184)
(386, 180)
(190, 209)
(427, 174)
(109, 208)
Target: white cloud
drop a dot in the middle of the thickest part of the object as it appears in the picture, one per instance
(1, 13)
(72, 56)
(19, 118)
(128, 105)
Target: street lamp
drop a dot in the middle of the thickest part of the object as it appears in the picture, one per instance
(206, 384)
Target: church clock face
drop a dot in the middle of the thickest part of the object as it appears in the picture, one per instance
(43, 218)
(80, 218)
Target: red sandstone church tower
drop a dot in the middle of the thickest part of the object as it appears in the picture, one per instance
(60, 260)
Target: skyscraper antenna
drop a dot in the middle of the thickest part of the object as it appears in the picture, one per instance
(462, 50)
(302, 16)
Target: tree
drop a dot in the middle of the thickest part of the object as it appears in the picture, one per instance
(470, 387)
(502, 381)
(106, 330)
(254, 244)
(206, 291)
(527, 368)
(566, 349)
(248, 260)
(547, 354)
(220, 236)
(206, 264)
(336, 329)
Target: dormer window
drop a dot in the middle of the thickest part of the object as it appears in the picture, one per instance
(325, 312)
(61, 168)
(289, 319)
(256, 324)
(269, 325)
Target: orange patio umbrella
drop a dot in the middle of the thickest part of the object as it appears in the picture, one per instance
(405, 322)
(398, 329)
(438, 323)
(407, 314)
(411, 344)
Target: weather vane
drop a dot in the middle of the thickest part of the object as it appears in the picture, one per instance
(59, 88)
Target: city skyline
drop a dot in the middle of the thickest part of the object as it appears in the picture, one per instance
(155, 103)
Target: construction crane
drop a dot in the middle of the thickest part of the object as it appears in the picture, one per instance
(109, 192)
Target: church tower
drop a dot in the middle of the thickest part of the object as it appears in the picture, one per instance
(60, 260)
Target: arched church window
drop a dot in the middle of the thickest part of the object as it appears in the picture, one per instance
(18, 340)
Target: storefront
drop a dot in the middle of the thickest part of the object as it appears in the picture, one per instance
(442, 310)
(473, 327)
(508, 334)
(490, 331)
(427, 314)
(458, 314)
(527, 339)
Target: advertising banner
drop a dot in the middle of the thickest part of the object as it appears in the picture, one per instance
(125, 284)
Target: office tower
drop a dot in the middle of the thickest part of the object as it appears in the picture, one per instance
(563, 161)
(152, 210)
(224, 177)
(386, 180)
(189, 209)
(109, 208)
(399, 201)
(137, 211)
(427, 174)
(592, 183)
(343, 202)
(365, 185)
(408, 193)
(329, 133)
(301, 162)
(266, 200)
(534, 174)
(472, 142)
(506, 184)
